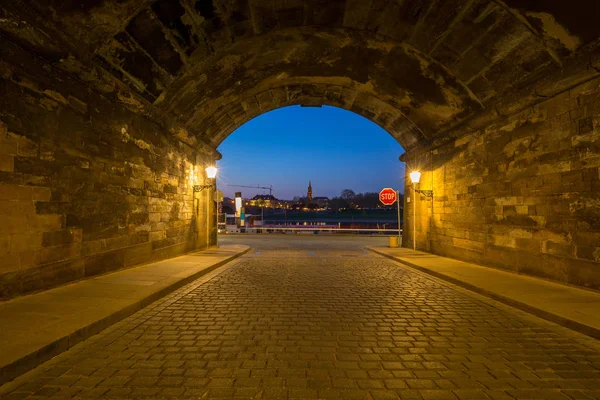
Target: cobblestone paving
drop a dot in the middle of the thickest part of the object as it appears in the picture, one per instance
(286, 324)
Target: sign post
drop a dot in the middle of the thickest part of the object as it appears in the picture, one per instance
(218, 199)
(398, 206)
(389, 196)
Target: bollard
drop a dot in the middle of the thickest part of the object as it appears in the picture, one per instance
(393, 241)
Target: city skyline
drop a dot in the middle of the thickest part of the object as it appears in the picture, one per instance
(291, 146)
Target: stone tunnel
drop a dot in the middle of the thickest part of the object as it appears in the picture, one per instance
(109, 111)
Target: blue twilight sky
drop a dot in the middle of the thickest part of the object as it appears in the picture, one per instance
(334, 148)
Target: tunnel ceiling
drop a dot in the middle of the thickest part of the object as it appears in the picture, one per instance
(415, 67)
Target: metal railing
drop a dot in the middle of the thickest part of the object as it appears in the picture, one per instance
(316, 230)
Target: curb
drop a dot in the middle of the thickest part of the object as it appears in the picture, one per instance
(30, 361)
(538, 312)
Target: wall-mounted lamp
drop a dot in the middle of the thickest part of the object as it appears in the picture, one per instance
(211, 173)
(415, 178)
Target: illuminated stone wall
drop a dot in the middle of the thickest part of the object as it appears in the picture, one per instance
(87, 186)
(522, 194)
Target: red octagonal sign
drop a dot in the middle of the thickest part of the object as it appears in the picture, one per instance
(387, 196)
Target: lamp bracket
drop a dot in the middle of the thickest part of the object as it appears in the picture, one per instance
(199, 188)
(428, 193)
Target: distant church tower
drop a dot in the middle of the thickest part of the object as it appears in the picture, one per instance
(309, 194)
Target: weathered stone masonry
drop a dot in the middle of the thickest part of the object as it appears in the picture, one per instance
(522, 194)
(105, 104)
(86, 186)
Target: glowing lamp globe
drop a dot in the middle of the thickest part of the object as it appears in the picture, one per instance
(211, 172)
(415, 176)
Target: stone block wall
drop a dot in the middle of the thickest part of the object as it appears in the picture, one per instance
(87, 186)
(523, 194)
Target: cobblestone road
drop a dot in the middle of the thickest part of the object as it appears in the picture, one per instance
(323, 324)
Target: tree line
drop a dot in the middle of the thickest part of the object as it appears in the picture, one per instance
(348, 199)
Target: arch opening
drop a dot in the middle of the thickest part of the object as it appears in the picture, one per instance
(334, 148)
(309, 165)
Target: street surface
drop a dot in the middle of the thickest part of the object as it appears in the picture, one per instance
(318, 317)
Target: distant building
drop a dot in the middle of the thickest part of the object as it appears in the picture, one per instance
(266, 200)
(319, 201)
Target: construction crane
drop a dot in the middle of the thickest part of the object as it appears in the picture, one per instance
(256, 187)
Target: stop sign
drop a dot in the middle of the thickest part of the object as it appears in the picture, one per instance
(387, 196)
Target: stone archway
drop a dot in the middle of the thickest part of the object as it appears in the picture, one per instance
(438, 63)
(396, 86)
(496, 100)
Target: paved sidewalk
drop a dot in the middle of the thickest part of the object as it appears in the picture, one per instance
(575, 308)
(37, 327)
